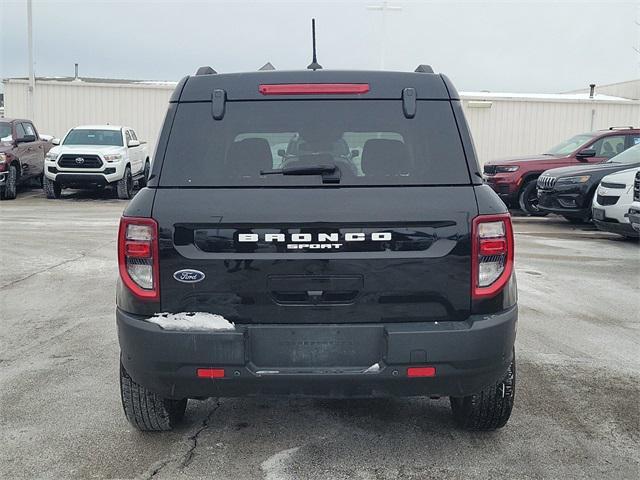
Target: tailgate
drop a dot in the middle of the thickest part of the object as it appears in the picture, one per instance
(317, 255)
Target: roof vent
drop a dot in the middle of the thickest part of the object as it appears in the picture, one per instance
(267, 66)
(424, 69)
(206, 71)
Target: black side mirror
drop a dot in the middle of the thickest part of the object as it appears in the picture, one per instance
(282, 152)
(26, 139)
(355, 153)
(586, 153)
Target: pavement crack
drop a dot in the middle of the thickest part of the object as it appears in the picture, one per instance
(156, 469)
(188, 456)
(59, 264)
(27, 277)
(185, 459)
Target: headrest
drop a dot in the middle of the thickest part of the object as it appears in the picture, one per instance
(382, 157)
(247, 157)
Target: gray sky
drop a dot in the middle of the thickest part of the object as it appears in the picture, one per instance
(516, 46)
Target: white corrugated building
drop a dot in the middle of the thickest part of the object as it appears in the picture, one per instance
(502, 124)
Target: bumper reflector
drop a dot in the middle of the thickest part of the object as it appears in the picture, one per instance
(421, 372)
(210, 373)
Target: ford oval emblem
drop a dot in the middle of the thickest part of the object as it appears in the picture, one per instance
(189, 276)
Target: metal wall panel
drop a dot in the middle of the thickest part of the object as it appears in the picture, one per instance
(529, 126)
(59, 106)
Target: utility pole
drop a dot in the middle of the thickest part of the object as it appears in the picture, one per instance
(384, 7)
(32, 80)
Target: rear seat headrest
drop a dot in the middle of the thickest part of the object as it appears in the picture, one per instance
(383, 157)
(249, 156)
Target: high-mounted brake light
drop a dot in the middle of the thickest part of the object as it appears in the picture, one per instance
(313, 88)
(138, 256)
(491, 254)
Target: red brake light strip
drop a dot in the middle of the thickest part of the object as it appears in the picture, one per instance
(314, 88)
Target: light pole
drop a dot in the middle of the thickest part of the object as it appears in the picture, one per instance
(32, 80)
(384, 7)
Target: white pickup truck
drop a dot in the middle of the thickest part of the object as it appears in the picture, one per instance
(97, 156)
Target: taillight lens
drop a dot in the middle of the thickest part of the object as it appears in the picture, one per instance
(138, 256)
(492, 254)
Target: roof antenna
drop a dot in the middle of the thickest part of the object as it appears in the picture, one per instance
(314, 65)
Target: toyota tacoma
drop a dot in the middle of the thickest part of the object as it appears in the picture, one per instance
(97, 156)
(367, 259)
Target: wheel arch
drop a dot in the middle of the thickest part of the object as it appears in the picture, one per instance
(527, 177)
(16, 163)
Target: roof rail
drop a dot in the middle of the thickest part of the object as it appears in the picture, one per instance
(626, 127)
(205, 71)
(422, 68)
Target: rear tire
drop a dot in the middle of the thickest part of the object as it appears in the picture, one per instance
(147, 411)
(145, 175)
(528, 200)
(489, 409)
(11, 184)
(124, 187)
(51, 188)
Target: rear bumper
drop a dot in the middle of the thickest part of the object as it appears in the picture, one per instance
(467, 356)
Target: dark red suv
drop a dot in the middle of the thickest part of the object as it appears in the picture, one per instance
(514, 179)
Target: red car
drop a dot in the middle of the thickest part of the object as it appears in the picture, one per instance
(514, 179)
(22, 152)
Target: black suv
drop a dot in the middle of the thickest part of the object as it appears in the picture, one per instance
(369, 260)
(569, 191)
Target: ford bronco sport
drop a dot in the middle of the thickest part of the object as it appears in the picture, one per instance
(367, 258)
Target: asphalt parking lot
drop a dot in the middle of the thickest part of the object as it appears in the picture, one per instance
(577, 413)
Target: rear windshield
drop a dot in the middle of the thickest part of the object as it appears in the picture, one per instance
(371, 142)
(85, 136)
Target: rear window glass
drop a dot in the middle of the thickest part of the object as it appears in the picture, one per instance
(371, 142)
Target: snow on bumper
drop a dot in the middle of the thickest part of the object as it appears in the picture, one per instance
(192, 322)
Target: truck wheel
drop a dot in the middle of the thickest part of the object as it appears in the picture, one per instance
(11, 184)
(145, 175)
(491, 408)
(51, 189)
(528, 200)
(125, 185)
(147, 411)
